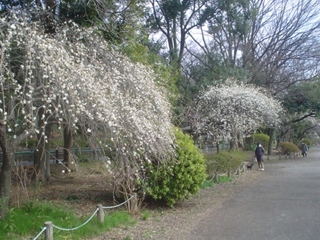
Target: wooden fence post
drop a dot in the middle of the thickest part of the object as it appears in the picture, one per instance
(216, 177)
(229, 173)
(48, 234)
(100, 213)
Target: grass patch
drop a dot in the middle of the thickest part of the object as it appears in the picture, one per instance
(145, 215)
(207, 184)
(224, 179)
(28, 220)
(210, 183)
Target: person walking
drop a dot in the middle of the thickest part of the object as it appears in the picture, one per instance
(259, 155)
(304, 149)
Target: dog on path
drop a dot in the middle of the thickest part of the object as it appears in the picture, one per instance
(249, 166)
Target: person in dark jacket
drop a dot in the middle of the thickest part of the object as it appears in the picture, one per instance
(259, 155)
(304, 149)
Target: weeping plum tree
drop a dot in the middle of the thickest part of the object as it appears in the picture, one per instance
(234, 109)
(74, 79)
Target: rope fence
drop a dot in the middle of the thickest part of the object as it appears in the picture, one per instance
(289, 156)
(216, 176)
(47, 230)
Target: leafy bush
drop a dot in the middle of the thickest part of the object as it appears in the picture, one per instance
(178, 178)
(81, 143)
(288, 147)
(55, 142)
(29, 143)
(261, 138)
(224, 161)
(306, 141)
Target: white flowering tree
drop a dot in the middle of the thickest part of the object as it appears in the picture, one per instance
(234, 109)
(75, 81)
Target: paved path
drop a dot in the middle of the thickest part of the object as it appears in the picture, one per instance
(283, 205)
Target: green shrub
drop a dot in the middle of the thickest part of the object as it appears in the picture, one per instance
(177, 178)
(29, 143)
(306, 141)
(82, 143)
(261, 138)
(55, 142)
(288, 147)
(224, 161)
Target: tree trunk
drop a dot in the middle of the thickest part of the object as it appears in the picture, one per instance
(47, 153)
(271, 133)
(42, 158)
(6, 171)
(232, 144)
(67, 138)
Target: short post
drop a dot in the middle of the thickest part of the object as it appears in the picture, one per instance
(48, 234)
(229, 173)
(100, 213)
(216, 177)
(57, 155)
(238, 171)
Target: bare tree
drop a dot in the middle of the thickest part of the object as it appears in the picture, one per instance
(275, 41)
(281, 47)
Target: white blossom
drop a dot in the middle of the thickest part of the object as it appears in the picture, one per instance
(235, 108)
(88, 86)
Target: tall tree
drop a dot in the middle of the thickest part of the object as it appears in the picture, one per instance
(229, 22)
(303, 107)
(175, 19)
(281, 47)
(275, 42)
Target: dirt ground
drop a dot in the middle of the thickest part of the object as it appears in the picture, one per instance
(176, 223)
(85, 187)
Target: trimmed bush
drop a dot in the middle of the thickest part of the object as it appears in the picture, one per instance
(261, 138)
(306, 141)
(178, 178)
(288, 148)
(29, 143)
(224, 161)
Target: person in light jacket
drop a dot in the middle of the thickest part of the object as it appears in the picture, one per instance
(304, 149)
